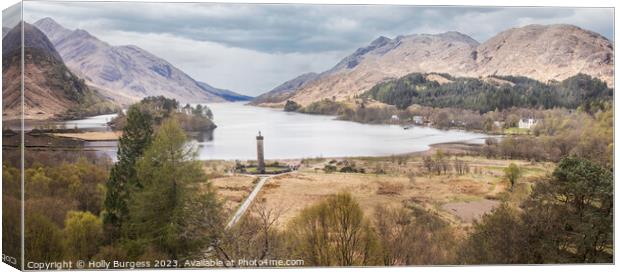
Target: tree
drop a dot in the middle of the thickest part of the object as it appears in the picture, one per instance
(136, 138)
(175, 212)
(334, 232)
(413, 236)
(497, 239)
(512, 174)
(596, 143)
(83, 234)
(579, 91)
(43, 239)
(570, 217)
(255, 237)
(291, 106)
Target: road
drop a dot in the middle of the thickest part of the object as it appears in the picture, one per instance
(248, 201)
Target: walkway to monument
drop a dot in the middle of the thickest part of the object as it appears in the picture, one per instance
(248, 201)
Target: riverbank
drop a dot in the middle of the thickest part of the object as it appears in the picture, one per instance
(377, 113)
(92, 136)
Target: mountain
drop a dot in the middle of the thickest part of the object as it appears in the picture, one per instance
(50, 89)
(544, 53)
(228, 95)
(547, 52)
(126, 73)
(386, 58)
(285, 90)
(5, 30)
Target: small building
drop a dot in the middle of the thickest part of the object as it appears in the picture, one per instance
(395, 118)
(528, 123)
(418, 120)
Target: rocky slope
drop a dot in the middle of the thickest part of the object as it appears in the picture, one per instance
(285, 90)
(227, 95)
(5, 30)
(50, 89)
(547, 52)
(126, 73)
(553, 52)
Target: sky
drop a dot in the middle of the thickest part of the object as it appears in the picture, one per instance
(252, 48)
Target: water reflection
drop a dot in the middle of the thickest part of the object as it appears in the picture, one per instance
(289, 135)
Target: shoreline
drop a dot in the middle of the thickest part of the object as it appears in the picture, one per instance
(386, 122)
(452, 147)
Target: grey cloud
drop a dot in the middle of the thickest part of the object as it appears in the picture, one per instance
(11, 16)
(304, 28)
(227, 41)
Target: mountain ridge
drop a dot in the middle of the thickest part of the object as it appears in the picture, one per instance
(286, 89)
(51, 90)
(541, 52)
(127, 73)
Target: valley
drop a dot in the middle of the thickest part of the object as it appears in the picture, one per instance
(421, 149)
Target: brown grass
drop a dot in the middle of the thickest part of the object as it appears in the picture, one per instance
(386, 188)
(93, 135)
(233, 190)
(471, 192)
(298, 190)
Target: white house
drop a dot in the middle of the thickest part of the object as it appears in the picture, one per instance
(418, 120)
(527, 123)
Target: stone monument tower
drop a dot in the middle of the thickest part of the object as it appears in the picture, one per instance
(260, 154)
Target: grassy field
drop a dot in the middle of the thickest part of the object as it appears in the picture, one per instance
(233, 190)
(458, 198)
(516, 131)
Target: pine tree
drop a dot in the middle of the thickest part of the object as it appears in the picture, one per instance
(176, 212)
(137, 135)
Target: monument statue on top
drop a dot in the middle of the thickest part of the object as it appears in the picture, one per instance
(260, 154)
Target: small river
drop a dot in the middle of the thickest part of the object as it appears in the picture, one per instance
(294, 135)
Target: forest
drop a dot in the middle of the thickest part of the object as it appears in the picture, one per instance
(494, 93)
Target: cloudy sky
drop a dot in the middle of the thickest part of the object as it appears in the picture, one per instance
(252, 48)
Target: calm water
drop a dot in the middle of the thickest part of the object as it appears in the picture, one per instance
(94, 123)
(294, 135)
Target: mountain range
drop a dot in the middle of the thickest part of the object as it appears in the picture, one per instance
(127, 73)
(51, 90)
(542, 52)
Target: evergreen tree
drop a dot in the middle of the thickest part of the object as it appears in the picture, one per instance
(176, 212)
(570, 218)
(137, 134)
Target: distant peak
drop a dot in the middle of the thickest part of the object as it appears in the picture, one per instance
(81, 33)
(540, 27)
(380, 41)
(458, 36)
(48, 20)
(48, 23)
(32, 38)
(453, 34)
(450, 35)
